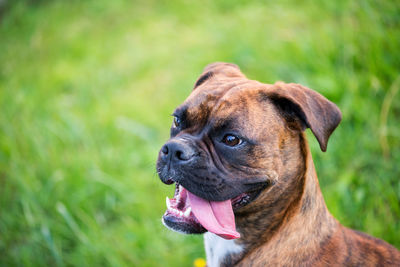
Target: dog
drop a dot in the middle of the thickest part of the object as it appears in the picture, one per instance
(245, 177)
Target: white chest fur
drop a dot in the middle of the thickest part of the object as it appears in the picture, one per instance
(217, 248)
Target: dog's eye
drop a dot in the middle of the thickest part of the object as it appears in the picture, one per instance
(231, 140)
(177, 122)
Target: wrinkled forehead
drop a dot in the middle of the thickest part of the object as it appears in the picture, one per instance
(232, 105)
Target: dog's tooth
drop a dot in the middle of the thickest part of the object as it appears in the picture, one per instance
(168, 203)
(187, 212)
(178, 197)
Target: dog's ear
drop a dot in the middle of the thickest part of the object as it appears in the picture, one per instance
(219, 69)
(312, 110)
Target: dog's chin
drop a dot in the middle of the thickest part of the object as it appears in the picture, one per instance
(180, 218)
(182, 225)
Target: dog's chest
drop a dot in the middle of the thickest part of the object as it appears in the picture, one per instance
(218, 248)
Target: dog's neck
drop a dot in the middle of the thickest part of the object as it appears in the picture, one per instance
(300, 211)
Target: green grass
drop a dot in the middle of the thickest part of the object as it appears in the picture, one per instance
(86, 89)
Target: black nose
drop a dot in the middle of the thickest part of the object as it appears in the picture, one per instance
(177, 151)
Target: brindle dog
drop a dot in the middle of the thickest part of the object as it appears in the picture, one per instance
(239, 139)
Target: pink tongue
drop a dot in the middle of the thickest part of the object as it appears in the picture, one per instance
(216, 216)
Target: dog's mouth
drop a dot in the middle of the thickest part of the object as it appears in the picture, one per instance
(189, 213)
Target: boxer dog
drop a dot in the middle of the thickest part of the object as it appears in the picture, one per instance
(245, 177)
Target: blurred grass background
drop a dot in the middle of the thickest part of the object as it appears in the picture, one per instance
(86, 93)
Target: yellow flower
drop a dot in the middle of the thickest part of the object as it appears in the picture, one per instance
(199, 262)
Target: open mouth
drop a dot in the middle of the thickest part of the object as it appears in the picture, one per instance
(189, 213)
(179, 215)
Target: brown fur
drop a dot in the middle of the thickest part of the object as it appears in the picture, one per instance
(289, 223)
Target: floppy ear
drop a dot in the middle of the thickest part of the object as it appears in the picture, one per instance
(219, 69)
(314, 111)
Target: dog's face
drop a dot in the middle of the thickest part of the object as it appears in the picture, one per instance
(232, 139)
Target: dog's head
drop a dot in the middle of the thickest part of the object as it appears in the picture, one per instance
(231, 141)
